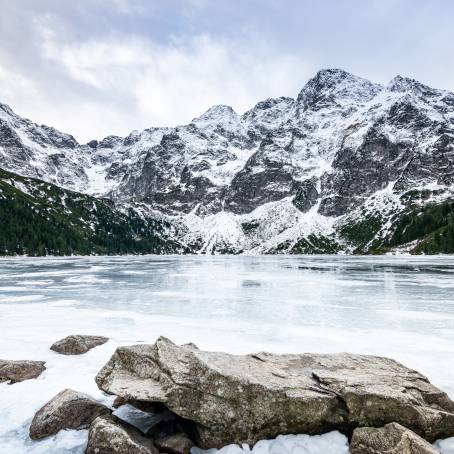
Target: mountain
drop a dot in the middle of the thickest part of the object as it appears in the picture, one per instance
(40, 218)
(347, 166)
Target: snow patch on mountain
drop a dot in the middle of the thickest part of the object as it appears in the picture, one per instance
(344, 149)
(258, 232)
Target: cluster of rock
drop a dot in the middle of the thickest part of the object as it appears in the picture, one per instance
(12, 371)
(170, 398)
(244, 399)
(164, 432)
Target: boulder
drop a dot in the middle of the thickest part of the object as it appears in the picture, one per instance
(16, 371)
(77, 344)
(174, 444)
(108, 436)
(247, 398)
(390, 439)
(67, 410)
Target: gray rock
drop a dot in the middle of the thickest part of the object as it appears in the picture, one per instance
(67, 410)
(174, 444)
(306, 196)
(77, 344)
(243, 399)
(108, 436)
(16, 371)
(390, 439)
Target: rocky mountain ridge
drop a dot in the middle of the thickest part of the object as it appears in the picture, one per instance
(289, 175)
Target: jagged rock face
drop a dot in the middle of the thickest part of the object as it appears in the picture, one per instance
(362, 171)
(342, 140)
(39, 151)
(243, 399)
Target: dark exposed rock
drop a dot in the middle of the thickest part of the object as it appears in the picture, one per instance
(306, 196)
(16, 371)
(265, 178)
(109, 141)
(152, 418)
(169, 423)
(77, 344)
(143, 420)
(108, 436)
(67, 410)
(361, 171)
(9, 137)
(92, 143)
(243, 399)
(174, 444)
(390, 439)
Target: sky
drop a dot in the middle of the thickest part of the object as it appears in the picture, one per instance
(98, 67)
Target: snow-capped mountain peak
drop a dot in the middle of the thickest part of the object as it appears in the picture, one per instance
(408, 85)
(217, 115)
(326, 153)
(331, 86)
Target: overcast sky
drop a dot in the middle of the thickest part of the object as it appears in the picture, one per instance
(99, 67)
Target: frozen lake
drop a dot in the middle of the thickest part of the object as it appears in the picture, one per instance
(400, 307)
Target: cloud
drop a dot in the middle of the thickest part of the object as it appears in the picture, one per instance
(102, 67)
(187, 78)
(150, 84)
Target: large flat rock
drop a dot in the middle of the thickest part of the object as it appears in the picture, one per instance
(243, 399)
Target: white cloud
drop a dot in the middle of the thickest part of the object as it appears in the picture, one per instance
(84, 118)
(185, 80)
(98, 67)
(125, 6)
(169, 85)
(15, 87)
(101, 64)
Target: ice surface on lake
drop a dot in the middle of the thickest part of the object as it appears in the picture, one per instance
(401, 307)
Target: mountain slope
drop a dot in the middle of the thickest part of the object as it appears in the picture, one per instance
(336, 169)
(38, 218)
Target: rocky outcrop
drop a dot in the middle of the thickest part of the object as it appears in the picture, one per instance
(390, 439)
(77, 344)
(16, 371)
(243, 399)
(67, 410)
(108, 436)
